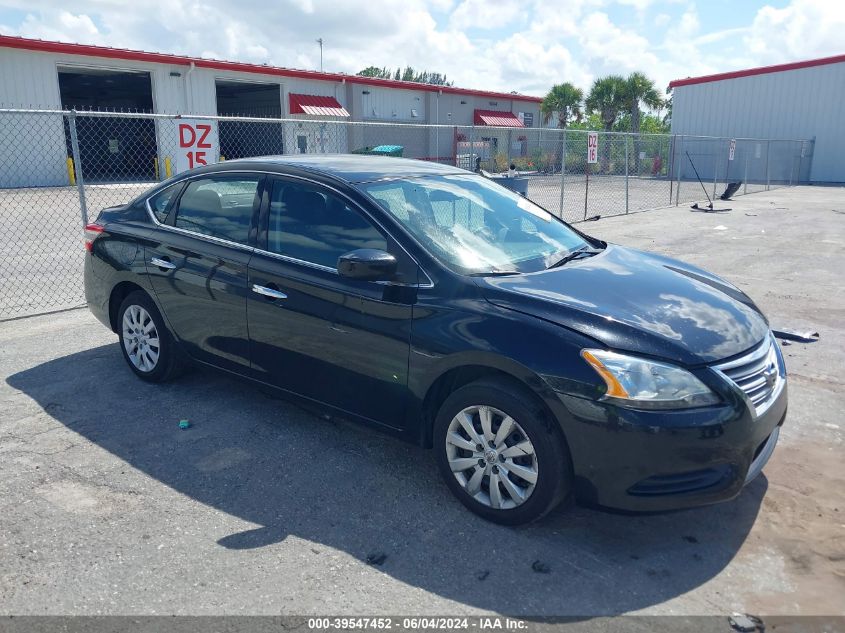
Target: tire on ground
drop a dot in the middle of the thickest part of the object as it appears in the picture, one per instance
(168, 364)
(554, 472)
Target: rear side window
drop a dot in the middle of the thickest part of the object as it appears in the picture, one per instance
(219, 207)
(160, 203)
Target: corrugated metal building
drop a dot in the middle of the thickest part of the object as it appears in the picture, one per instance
(52, 76)
(801, 100)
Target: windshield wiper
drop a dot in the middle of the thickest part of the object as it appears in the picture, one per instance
(494, 273)
(584, 251)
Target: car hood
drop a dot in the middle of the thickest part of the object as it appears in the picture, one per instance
(638, 302)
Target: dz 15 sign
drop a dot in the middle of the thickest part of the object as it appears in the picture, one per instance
(195, 145)
(593, 147)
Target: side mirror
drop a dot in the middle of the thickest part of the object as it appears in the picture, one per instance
(367, 264)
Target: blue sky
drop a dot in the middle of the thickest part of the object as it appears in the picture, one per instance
(523, 45)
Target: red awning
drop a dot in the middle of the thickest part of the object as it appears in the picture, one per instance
(319, 106)
(497, 118)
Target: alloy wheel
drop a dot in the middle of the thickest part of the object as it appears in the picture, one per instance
(491, 457)
(140, 338)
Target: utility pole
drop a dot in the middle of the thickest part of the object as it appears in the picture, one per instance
(320, 42)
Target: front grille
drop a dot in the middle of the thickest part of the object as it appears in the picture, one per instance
(756, 373)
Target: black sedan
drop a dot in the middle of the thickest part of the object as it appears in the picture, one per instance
(426, 301)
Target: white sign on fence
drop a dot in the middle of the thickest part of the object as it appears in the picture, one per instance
(593, 147)
(732, 149)
(195, 141)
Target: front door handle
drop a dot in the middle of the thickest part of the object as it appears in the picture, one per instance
(162, 263)
(272, 293)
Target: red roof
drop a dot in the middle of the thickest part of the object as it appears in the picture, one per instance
(87, 50)
(496, 118)
(762, 70)
(320, 106)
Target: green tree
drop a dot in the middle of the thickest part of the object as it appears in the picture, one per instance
(405, 74)
(563, 100)
(374, 71)
(639, 90)
(591, 121)
(667, 104)
(608, 97)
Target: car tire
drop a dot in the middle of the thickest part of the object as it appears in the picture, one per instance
(506, 460)
(147, 345)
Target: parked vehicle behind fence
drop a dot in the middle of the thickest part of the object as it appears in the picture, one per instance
(537, 362)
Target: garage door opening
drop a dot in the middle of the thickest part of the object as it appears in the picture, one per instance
(111, 149)
(240, 139)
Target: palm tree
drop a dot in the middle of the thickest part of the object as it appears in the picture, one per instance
(639, 89)
(608, 97)
(565, 101)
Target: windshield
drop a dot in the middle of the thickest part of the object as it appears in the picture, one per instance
(474, 225)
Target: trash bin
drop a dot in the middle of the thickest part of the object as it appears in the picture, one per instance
(518, 184)
(381, 150)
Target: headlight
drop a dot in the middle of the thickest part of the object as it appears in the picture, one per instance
(646, 384)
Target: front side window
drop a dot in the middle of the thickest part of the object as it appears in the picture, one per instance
(219, 207)
(474, 225)
(316, 226)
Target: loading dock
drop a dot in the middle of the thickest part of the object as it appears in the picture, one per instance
(111, 149)
(239, 139)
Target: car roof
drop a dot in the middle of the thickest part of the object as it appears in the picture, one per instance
(352, 167)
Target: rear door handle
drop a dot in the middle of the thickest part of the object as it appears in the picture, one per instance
(269, 292)
(162, 263)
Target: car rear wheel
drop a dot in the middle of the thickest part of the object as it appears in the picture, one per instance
(146, 343)
(498, 454)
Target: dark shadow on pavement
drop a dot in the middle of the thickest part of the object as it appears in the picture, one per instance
(266, 461)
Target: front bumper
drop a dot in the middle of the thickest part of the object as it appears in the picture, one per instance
(665, 460)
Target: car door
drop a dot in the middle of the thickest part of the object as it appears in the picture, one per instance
(197, 263)
(338, 341)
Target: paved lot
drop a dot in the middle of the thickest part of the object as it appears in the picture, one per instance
(261, 508)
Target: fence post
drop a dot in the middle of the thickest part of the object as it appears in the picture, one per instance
(77, 164)
(680, 169)
(800, 160)
(768, 152)
(626, 173)
(472, 151)
(745, 178)
(715, 173)
(562, 171)
(812, 147)
(672, 168)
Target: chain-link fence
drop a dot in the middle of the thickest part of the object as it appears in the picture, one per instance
(57, 168)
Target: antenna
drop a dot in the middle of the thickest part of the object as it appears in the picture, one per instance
(320, 42)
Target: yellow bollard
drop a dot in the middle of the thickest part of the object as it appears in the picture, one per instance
(222, 159)
(167, 170)
(71, 174)
(155, 167)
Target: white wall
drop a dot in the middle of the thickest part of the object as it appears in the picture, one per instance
(29, 79)
(795, 104)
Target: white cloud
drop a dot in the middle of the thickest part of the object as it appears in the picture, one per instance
(639, 5)
(802, 29)
(662, 19)
(483, 14)
(523, 45)
(61, 25)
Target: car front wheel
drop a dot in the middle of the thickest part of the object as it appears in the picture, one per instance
(499, 455)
